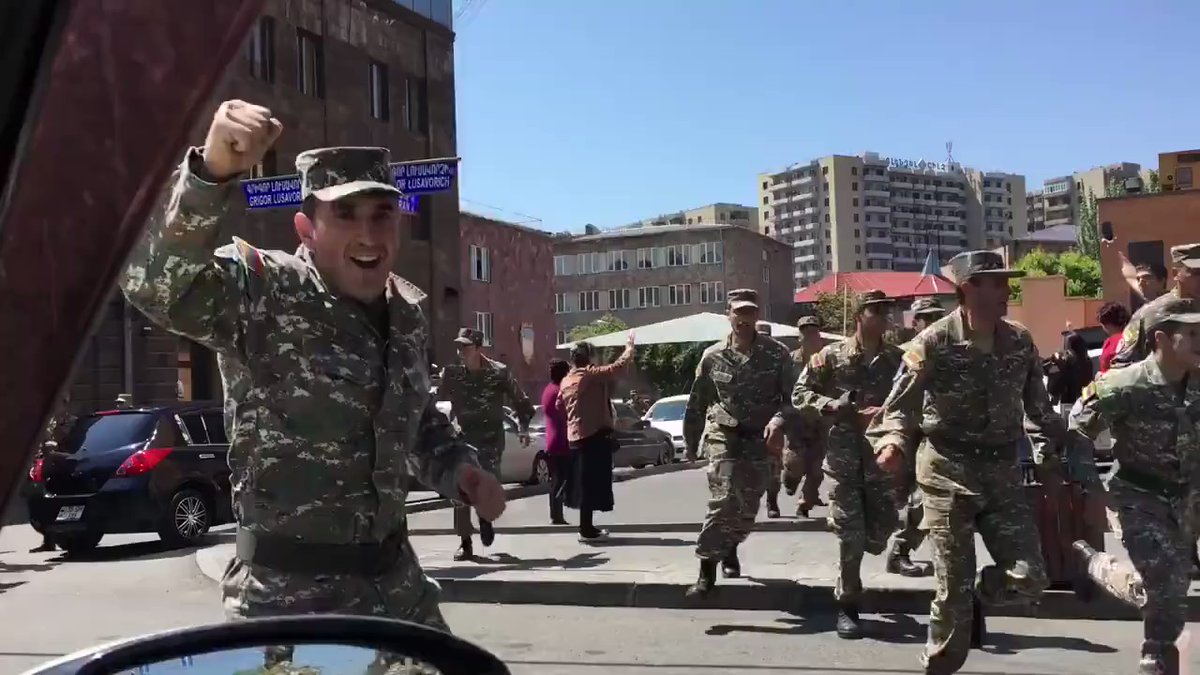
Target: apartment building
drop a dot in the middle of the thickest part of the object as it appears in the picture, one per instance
(644, 275)
(1176, 170)
(335, 72)
(1059, 200)
(508, 294)
(721, 213)
(867, 212)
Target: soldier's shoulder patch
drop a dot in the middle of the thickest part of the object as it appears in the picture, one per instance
(1132, 331)
(817, 360)
(407, 289)
(1089, 392)
(914, 356)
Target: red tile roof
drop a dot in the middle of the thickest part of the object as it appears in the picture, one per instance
(893, 284)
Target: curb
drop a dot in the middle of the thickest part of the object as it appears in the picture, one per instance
(781, 596)
(810, 525)
(520, 491)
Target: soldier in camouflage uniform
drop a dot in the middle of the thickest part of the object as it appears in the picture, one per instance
(1136, 342)
(54, 433)
(775, 470)
(738, 403)
(806, 437)
(1150, 408)
(910, 537)
(971, 387)
(331, 409)
(846, 382)
(477, 388)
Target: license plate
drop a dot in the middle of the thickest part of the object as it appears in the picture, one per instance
(69, 514)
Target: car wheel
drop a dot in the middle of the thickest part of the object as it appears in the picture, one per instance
(668, 454)
(541, 471)
(187, 519)
(81, 542)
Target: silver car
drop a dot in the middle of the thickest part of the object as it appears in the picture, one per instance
(519, 463)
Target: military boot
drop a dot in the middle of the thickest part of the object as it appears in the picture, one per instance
(899, 562)
(772, 504)
(707, 580)
(731, 567)
(848, 625)
(978, 623)
(465, 550)
(1081, 583)
(487, 534)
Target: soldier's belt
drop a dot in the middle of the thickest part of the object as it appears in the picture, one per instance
(953, 447)
(1153, 484)
(288, 555)
(743, 431)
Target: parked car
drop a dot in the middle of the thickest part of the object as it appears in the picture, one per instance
(666, 415)
(163, 469)
(640, 444)
(518, 464)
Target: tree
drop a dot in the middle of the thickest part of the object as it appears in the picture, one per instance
(602, 326)
(1082, 271)
(1154, 185)
(1088, 236)
(670, 368)
(835, 311)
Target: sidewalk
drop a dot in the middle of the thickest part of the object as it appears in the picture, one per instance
(649, 562)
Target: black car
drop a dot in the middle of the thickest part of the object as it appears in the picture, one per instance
(161, 469)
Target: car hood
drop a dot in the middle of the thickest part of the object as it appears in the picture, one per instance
(673, 427)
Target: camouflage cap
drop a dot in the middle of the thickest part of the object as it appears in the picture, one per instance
(1176, 309)
(806, 321)
(329, 174)
(873, 297)
(469, 336)
(974, 263)
(926, 306)
(763, 327)
(1187, 255)
(742, 297)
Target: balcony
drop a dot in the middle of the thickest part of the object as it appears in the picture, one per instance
(803, 180)
(873, 208)
(1063, 220)
(807, 211)
(995, 190)
(876, 190)
(901, 183)
(880, 255)
(803, 243)
(804, 259)
(879, 239)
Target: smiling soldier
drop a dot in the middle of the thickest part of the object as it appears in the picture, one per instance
(323, 356)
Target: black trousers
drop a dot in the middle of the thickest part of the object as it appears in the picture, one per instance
(560, 474)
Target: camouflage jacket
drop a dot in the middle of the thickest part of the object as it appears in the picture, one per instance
(1136, 344)
(329, 416)
(969, 403)
(738, 391)
(477, 400)
(842, 367)
(1155, 426)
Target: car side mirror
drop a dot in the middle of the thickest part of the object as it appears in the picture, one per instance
(641, 424)
(301, 644)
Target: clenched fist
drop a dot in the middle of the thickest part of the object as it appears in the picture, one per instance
(239, 137)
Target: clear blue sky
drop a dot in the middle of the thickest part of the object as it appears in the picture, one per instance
(607, 111)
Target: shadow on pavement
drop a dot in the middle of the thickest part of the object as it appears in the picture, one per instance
(644, 541)
(504, 562)
(808, 625)
(142, 550)
(18, 568)
(1007, 643)
(5, 586)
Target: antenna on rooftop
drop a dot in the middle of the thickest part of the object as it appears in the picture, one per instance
(949, 152)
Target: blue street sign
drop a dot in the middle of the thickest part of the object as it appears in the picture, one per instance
(412, 178)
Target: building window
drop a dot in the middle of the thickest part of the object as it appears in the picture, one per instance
(858, 264)
(311, 63)
(377, 75)
(618, 298)
(649, 296)
(854, 171)
(483, 324)
(262, 49)
(710, 252)
(645, 258)
(854, 202)
(564, 265)
(481, 264)
(766, 200)
(562, 303)
(615, 261)
(1183, 177)
(854, 186)
(857, 233)
(766, 274)
(824, 171)
(560, 337)
(589, 301)
(712, 292)
(679, 294)
(677, 256)
(856, 217)
(415, 105)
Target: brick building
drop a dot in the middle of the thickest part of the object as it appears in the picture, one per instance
(1145, 227)
(508, 294)
(648, 274)
(335, 72)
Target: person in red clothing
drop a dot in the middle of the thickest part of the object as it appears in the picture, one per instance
(1113, 318)
(558, 450)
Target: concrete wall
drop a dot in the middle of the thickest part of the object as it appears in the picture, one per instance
(1145, 224)
(1046, 310)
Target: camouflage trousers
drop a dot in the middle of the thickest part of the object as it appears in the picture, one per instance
(251, 591)
(862, 509)
(490, 452)
(1003, 518)
(802, 468)
(774, 474)
(1160, 541)
(737, 478)
(909, 536)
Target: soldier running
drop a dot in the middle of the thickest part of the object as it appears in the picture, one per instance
(477, 388)
(775, 463)
(910, 537)
(738, 403)
(971, 386)
(805, 453)
(1148, 407)
(846, 382)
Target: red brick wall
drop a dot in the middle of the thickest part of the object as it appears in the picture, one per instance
(1171, 218)
(521, 292)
